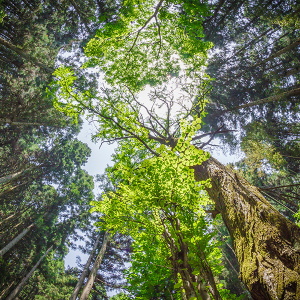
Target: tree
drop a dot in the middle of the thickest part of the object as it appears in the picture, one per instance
(92, 276)
(167, 212)
(121, 116)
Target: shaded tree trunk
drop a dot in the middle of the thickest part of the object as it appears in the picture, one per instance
(84, 272)
(278, 97)
(282, 51)
(267, 245)
(20, 286)
(89, 284)
(193, 285)
(18, 123)
(15, 240)
(10, 177)
(25, 55)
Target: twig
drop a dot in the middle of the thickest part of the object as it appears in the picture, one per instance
(154, 15)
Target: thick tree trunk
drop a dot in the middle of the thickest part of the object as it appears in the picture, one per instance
(88, 286)
(84, 272)
(15, 240)
(267, 245)
(20, 286)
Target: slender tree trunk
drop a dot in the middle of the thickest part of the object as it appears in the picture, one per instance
(88, 286)
(10, 177)
(12, 188)
(85, 270)
(267, 245)
(25, 55)
(17, 123)
(4, 233)
(20, 286)
(193, 285)
(293, 92)
(6, 289)
(278, 53)
(8, 218)
(15, 240)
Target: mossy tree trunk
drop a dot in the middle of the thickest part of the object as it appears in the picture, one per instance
(266, 244)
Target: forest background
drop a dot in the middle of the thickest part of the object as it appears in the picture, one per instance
(253, 103)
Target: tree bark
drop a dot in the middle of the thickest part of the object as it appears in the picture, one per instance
(10, 177)
(25, 55)
(193, 285)
(15, 240)
(267, 245)
(18, 123)
(278, 97)
(20, 286)
(84, 272)
(280, 52)
(88, 286)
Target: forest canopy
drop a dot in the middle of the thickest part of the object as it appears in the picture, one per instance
(162, 79)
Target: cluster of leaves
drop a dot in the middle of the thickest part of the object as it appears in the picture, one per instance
(150, 198)
(173, 35)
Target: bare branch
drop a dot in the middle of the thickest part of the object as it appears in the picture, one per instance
(212, 137)
(116, 139)
(158, 29)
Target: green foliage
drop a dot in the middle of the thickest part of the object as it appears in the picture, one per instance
(147, 43)
(120, 296)
(151, 198)
(52, 280)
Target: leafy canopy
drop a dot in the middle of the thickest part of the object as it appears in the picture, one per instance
(150, 41)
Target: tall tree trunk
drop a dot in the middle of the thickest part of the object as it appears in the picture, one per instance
(193, 285)
(12, 188)
(267, 245)
(19, 123)
(20, 286)
(25, 55)
(8, 218)
(280, 52)
(15, 240)
(10, 177)
(6, 289)
(278, 97)
(84, 272)
(88, 286)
